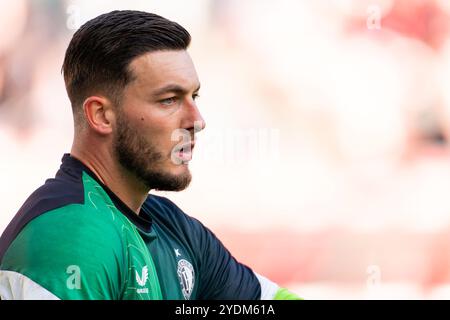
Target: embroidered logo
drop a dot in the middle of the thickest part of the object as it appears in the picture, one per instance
(186, 275)
(142, 279)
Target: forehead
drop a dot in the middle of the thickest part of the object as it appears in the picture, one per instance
(156, 69)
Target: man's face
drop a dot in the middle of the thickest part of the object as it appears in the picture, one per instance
(158, 116)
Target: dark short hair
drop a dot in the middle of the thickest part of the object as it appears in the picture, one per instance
(99, 54)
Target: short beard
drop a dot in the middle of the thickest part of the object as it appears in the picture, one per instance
(141, 158)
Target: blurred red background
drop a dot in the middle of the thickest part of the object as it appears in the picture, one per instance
(325, 164)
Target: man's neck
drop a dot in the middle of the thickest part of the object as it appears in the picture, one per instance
(125, 186)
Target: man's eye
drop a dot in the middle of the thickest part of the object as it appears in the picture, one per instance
(168, 101)
(195, 96)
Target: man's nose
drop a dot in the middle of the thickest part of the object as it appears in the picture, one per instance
(194, 118)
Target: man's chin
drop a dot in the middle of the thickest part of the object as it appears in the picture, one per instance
(177, 179)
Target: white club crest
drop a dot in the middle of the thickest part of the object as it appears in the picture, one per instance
(186, 275)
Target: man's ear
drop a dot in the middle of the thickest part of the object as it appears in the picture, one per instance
(99, 114)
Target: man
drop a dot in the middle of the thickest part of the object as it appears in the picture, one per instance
(94, 232)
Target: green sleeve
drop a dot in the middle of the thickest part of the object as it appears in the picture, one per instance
(71, 252)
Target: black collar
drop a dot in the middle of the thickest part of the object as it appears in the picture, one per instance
(71, 166)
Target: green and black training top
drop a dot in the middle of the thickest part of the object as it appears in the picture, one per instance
(75, 239)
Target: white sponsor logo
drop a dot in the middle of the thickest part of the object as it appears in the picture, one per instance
(142, 279)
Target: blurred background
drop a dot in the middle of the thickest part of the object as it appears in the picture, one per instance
(325, 164)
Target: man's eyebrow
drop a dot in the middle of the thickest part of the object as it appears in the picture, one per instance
(175, 88)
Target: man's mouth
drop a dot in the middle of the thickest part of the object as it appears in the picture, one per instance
(185, 155)
(185, 152)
